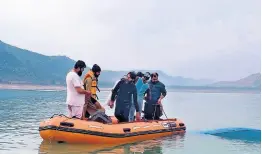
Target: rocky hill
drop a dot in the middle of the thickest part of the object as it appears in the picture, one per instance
(253, 80)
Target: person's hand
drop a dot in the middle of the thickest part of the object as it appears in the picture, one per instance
(108, 102)
(159, 101)
(138, 117)
(111, 104)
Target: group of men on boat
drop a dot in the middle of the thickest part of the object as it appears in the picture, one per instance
(127, 94)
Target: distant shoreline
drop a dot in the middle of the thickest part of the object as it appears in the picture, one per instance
(214, 90)
(31, 87)
(171, 89)
(36, 87)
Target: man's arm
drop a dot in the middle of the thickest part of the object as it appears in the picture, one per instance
(115, 90)
(88, 84)
(163, 91)
(81, 91)
(135, 98)
(78, 86)
(146, 94)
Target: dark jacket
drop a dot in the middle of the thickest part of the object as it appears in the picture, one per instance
(155, 90)
(124, 91)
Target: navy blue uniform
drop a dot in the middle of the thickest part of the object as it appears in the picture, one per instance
(124, 90)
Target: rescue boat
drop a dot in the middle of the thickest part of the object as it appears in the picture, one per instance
(60, 128)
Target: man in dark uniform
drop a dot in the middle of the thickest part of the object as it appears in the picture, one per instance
(125, 91)
(154, 95)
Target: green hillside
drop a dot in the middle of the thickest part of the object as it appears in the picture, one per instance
(23, 66)
(26, 67)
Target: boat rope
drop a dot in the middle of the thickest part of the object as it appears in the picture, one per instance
(164, 114)
(167, 118)
(67, 118)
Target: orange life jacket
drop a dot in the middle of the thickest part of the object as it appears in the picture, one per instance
(90, 74)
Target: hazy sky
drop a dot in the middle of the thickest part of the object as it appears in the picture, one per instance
(193, 38)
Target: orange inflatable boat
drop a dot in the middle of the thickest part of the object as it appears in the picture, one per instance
(63, 129)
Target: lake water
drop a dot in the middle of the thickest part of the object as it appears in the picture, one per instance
(22, 111)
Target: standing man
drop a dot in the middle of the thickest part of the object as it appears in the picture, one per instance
(125, 91)
(141, 87)
(154, 97)
(75, 91)
(110, 95)
(90, 84)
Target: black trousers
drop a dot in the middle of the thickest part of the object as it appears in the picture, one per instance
(122, 111)
(152, 111)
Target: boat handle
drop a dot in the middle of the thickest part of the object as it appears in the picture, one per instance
(126, 130)
(68, 124)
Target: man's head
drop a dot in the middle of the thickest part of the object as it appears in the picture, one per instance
(131, 76)
(96, 69)
(146, 77)
(154, 77)
(139, 75)
(79, 67)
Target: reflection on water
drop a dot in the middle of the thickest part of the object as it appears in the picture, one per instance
(145, 147)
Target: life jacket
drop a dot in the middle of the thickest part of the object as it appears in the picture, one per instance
(94, 87)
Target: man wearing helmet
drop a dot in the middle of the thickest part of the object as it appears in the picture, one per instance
(141, 86)
(126, 92)
(90, 84)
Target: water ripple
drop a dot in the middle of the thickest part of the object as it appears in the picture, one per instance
(21, 113)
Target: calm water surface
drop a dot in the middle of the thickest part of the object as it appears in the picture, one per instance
(22, 111)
